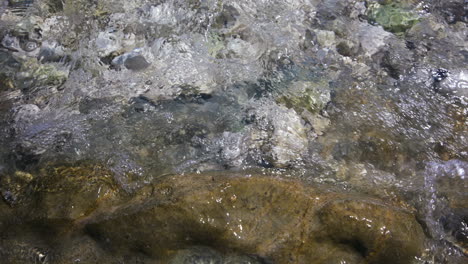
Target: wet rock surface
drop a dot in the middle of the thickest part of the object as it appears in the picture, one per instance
(237, 218)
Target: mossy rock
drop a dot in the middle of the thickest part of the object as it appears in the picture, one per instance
(393, 17)
(42, 74)
(60, 192)
(306, 95)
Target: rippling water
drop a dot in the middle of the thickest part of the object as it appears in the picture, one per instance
(368, 96)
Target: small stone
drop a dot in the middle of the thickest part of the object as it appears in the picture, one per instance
(133, 60)
(325, 38)
(136, 63)
(197, 255)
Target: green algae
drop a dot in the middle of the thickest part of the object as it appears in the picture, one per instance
(42, 74)
(303, 95)
(393, 17)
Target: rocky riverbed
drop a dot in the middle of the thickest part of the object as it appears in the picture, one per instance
(203, 218)
(218, 131)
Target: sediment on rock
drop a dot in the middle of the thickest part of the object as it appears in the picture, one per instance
(279, 220)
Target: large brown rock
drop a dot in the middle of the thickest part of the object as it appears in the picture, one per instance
(71, 212)
(279, 220)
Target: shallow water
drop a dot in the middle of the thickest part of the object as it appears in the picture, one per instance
(366, 97)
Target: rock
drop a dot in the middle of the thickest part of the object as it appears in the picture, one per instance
(392, 17)
(34, 74)
(308, 98)
(227, 18)
(114, 41)
(239, 48)
(196, 255)
(29, 27)
(289, 139)
(236, 218)
(80, 249)
(447, 179)
(208, 255)
(11, 43)
(281, 135)
(451, 83)
(325, 38)
(234, 148)
(25, 113)
(6, 83)
(278, 220)
(428, 27)
(372, 38)
(133, 60)
(80, 190)
(236, 259)
(318, 122)
(453, 10)
(20, 251)
(373, 230)
(303, 96)
(136, 63)
(51, 52)
(397, 59)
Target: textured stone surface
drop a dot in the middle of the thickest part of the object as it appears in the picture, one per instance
(80, 212)
(279, 220)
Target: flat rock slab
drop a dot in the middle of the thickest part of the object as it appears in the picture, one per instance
(282, 221)
(67, 211)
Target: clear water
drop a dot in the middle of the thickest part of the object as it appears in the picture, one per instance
(316, 90)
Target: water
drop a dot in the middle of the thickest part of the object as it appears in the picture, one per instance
(361, 96)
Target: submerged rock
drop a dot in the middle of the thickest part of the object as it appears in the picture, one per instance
(325, 38)
(372, 39)
(281, 135)
(393, 17)
(207, 255)
(33, 74)
(281, 221)
(62, 192)
(308, 99)
(213, 217)
(228, 84)
(452, 84)
(306, 96)
(372, 229)
(133, 60)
